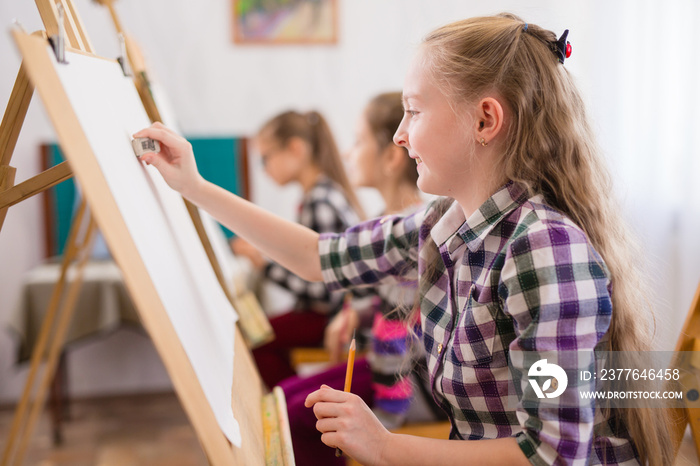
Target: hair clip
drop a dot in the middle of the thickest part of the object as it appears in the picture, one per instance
(562, 47)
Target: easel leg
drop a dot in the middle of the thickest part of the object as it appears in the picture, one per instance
(7, 180)
(689, 341)
(65, 316)
(21, 425)
(10, 127)
(58, 405)
(686, 416)
(14, 116)
(694, 420)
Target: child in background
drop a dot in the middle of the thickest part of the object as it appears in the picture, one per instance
(296, 147)
(519, 257)
(392, 379)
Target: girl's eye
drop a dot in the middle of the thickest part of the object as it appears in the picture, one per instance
(412, 112)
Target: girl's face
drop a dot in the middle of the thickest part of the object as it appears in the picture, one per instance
(436, 137)
(279, 161)
(364, 157)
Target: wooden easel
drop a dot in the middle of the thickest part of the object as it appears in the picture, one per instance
(62, 303)
(689, 340)
(253, 322)
(136, 63)
(258, 414)
(48, 347)
(21, 96)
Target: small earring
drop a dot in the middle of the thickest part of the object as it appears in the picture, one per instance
(483, 142)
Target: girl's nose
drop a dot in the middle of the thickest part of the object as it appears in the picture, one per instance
(400, 137)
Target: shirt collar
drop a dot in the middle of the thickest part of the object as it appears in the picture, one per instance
(479, 224)
(476, 228)
(448, 224)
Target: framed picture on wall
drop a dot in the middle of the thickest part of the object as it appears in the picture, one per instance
(285, 21)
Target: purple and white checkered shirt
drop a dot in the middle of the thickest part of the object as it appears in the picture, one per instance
(517, 276)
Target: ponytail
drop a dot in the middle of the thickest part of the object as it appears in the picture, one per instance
(324, 152)
(313, 128)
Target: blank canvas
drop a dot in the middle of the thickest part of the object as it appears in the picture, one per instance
(109, 111)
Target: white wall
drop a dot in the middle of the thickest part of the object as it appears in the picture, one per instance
(217, 87)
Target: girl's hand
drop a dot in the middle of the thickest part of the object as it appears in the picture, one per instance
(241, 247)
(338, 333)
(346, 422)
(175, 161)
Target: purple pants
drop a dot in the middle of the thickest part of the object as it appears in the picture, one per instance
(293, 329)
(308, 448)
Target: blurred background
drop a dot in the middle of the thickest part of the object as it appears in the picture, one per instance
(636, 63)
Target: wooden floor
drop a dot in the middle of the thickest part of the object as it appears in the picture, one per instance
(149, 430)
(136, 430)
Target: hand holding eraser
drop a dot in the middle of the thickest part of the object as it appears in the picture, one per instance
(144, 145)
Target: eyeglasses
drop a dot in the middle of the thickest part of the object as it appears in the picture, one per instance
(265, 158)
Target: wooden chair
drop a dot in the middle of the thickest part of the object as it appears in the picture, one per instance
(300, 356)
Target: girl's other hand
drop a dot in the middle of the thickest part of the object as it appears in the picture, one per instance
(346, 422)
(338, 333)
(175, 161)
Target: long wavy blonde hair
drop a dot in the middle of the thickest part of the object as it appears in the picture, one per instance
(550, 148)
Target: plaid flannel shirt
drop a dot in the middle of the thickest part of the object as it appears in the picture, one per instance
(516, 276)
(324, 209)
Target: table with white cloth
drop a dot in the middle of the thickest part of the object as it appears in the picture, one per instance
(103, 304)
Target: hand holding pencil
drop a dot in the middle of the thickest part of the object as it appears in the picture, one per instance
(346, 422)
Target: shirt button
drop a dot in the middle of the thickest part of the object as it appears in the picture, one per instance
(384, 219)
(440, 348)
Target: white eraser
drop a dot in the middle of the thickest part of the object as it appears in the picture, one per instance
(144, 145)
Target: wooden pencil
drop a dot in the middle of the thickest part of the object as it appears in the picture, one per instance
(348, 376)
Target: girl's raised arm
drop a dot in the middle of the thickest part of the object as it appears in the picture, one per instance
(287, 243)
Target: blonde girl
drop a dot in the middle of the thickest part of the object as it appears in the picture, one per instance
(525, 253)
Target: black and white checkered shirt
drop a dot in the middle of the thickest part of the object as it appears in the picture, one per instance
(324, 209)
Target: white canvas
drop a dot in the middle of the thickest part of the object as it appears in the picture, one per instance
(109, 111)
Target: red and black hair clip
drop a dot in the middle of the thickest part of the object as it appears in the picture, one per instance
(560, 48)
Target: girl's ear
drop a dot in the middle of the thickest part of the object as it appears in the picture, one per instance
(298, 147)
(488, 120)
